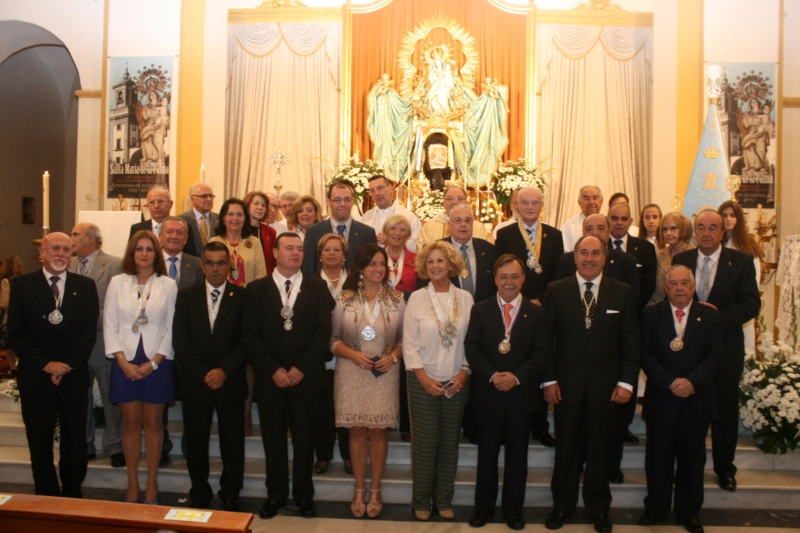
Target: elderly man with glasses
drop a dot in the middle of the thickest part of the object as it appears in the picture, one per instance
(200, 219)
(159, 204)
(439, 227)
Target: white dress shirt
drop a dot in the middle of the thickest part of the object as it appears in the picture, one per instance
(513, 312)
(168, 264)
(572, 230)
(213, 308)
(62, 279)
(347, 223)
(698, 275)
(470, 257)
(422, 347)
(156, 228)
(624, 240)
(279, 227)
(376, 217)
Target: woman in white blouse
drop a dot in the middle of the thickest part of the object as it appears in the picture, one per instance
(434, 328)
(137, 330)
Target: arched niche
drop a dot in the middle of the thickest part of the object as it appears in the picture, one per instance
(38, 132)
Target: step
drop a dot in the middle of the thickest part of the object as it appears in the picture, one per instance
(756, 488)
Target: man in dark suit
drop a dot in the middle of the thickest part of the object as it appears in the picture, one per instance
(681, 355)
(726, 281)
(206, 335)
(523, 239)
(592, 330)
(91, 261)
(506, 351)
(52, 327)
(159, 203)
(200, 218)
(340, 203)
(285, 333)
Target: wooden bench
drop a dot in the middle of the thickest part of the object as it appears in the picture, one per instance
(45, 514)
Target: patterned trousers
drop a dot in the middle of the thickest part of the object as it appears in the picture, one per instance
(435, 432)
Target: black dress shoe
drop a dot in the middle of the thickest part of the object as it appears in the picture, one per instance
(547, 440)
(231, 505)
(515, 521)
(270, 509)
(629, 437)
(478, 519)
(117, 460)
(693, 525)
(195, 504)
(91, 456)
(164, 459)
(307, 509)
(727, 483)
(649, 518)
(617, 477)
(602, 523)
(555, 520)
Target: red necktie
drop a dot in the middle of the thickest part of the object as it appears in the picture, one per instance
(507, 314)
(679, 313)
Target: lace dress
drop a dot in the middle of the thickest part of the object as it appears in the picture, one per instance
(360, 398)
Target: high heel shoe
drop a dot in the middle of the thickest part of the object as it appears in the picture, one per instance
(358, 506)
(374, 507)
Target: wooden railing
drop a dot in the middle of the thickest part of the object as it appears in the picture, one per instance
(25, 513)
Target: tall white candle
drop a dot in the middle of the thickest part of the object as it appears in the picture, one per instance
(46, 200)
(203, 173)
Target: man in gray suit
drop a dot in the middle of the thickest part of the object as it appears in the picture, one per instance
(200, 218)
(89, 260)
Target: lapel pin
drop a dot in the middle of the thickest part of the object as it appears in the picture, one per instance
(699, 319)
(230, 294)
(74, 293)
(544, 235)
(612, 261)
(730, 264)
(524, 316)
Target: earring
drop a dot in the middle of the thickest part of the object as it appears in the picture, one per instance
(360, 282)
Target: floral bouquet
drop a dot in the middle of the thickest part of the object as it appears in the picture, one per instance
(427, 206)
(512, 175)
(358, 173)
(489, 212)
(769, 394)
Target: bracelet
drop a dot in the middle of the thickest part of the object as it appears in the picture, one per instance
(394, 359)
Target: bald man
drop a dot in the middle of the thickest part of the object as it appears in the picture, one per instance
(590, 200)
(726, 281)
(52, 327)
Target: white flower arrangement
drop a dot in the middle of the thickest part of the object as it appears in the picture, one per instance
(769, 395)
(489, 212)
(429, 205)
(358, 173)
(512, 175)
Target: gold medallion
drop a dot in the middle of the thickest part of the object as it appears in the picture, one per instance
(504, 346)
(676, 344)
(464, 273)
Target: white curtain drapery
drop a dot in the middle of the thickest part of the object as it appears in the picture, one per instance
(283, 93)
(594, 124)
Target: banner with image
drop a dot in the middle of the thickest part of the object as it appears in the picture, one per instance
(139, 114)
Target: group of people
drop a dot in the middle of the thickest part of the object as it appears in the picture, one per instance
(348, 328)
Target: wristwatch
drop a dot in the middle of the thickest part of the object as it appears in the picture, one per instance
(394, 359)
(155, 366)
(467, 368)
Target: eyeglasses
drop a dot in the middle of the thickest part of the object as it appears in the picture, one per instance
(204, 196)
(218, 264)
(157, 201)
(459, 220)
(342, 200)
(456, 199)
(529, 203)
(379, 188)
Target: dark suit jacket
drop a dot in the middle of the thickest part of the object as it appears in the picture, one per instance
(646, 265)
(590, 363)
(37, 342)
(359, 235)
(198, 351)
(735, 295)
(620, 266)
(269, 347)
(484, 264)
(194, 230)
(148, 225)
(191, 273)
(510, 241)
(525, 360)
(699, 361)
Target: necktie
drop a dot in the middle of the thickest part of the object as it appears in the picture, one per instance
(157, 229)
(705, 280)
(618, 244)
(679, 313)
(340, 230)
(173, 270)
(203, 230)
(214, 297)
(84, 266)
(532, 237)
(288, 289)
(589, 304)
(467, 283)
(507, 314)
(54, 286)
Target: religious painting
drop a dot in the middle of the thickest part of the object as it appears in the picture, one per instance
(139, 115)
(28, 210)
(748, 123)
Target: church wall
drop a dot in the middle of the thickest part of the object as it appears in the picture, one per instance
(790, 169)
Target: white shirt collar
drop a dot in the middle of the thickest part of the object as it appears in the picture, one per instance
(595, 283)
(198, 215)
(179, 257)
(714, 257)
(210, 287)
(335, 223)
(92, 256)
(624, 240)
(458, 244)
(279, 277)
(531, 227)
(515, 303)
(389, 210)
(47, 275)
(685, 309)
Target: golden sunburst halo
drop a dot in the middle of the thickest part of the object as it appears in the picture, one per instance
(409, 43)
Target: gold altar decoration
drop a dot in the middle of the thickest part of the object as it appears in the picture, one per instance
(677, 203)
(733, 183)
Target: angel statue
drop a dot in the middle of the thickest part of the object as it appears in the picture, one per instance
(438, 99)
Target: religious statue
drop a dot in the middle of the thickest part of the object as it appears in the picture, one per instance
(757, 127)
(153, 122)
(437, 100)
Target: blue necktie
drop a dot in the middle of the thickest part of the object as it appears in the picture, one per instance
(173, 270)
(340, 229)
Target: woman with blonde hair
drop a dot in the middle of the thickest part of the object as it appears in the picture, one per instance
(306, 211)
(137, 332)
(677, 231)
(434, 328)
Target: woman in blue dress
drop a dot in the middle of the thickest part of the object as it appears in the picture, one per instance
(137, 330)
